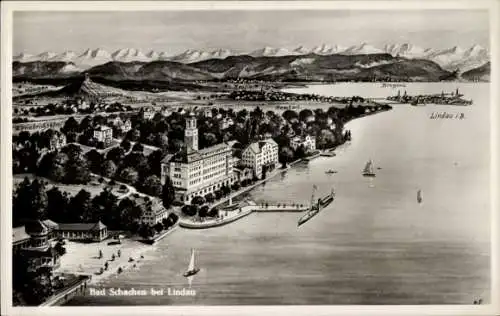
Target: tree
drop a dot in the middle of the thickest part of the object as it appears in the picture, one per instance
(95, 160)
(39, 200)
(136, 160)
(189, 210)
(325, 139)
(218, 194)
(108, 168)
(168, 194)
(138, 147)
(30, 201)
(161, 141)
(38, 288)
(225, 190)
(209, 197)
(166, 223)
(116, 155)
(105, 209)
(305, 114)
(172, 217)
(133, 135)
(214, 212)
(86, 124)
(53, 166)
(198, 200)
(57, 205)
(152, 186)
(130, 213)
(72, 151)
(290, 115)
(203, 212)
(285, 155)
(129, 175)
(154, 162)
(81, 209)
(158, 227)
(134, 227)
(125, 144)
(59, 248)
(300, 152)
(207, 140)
(76, 171)
(146, 231)
(71, 125)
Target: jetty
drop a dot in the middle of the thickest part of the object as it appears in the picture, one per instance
(241, 212)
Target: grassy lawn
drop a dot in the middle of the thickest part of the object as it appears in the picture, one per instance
(93, 187)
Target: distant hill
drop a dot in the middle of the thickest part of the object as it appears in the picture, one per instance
(44, 69)
(309, 67)
(83, 88)
(481, 73)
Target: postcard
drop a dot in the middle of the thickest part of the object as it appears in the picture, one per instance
(249, 157)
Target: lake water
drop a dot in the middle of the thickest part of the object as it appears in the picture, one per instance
(375, 244)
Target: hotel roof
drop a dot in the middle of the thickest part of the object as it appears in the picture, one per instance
(256, 147)
(187, 154)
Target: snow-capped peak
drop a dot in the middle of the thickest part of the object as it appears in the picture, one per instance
(270, 52)
(363, 48)
(96, 53)
(476, 50)
(405, 50)
(128, 55)
(45, 56)
(221, 53)
(65, 56)
(23, 57)
(152, 55)
(90, 58)
(301, 50)
(164, 56)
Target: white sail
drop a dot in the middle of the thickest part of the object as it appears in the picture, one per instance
(191, 262)
(368, 170)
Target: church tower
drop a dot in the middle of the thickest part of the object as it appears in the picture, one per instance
(191, 133)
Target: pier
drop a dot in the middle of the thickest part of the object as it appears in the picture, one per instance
(243, 212)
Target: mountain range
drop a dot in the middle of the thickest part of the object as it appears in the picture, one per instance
(450, 59)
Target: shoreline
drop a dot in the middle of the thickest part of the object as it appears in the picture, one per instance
(139, 248)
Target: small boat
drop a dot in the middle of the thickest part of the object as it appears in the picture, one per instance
(419, 196)
(192, 270)
(331, 171)
(368, 170)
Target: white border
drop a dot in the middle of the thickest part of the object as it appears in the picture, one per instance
(5, 155)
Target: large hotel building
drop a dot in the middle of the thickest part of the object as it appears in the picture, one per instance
(198, 172)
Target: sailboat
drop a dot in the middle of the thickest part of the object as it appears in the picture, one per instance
(368, 170)
(419, 196)
(192, 270)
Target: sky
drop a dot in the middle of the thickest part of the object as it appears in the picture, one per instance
(176, 31)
